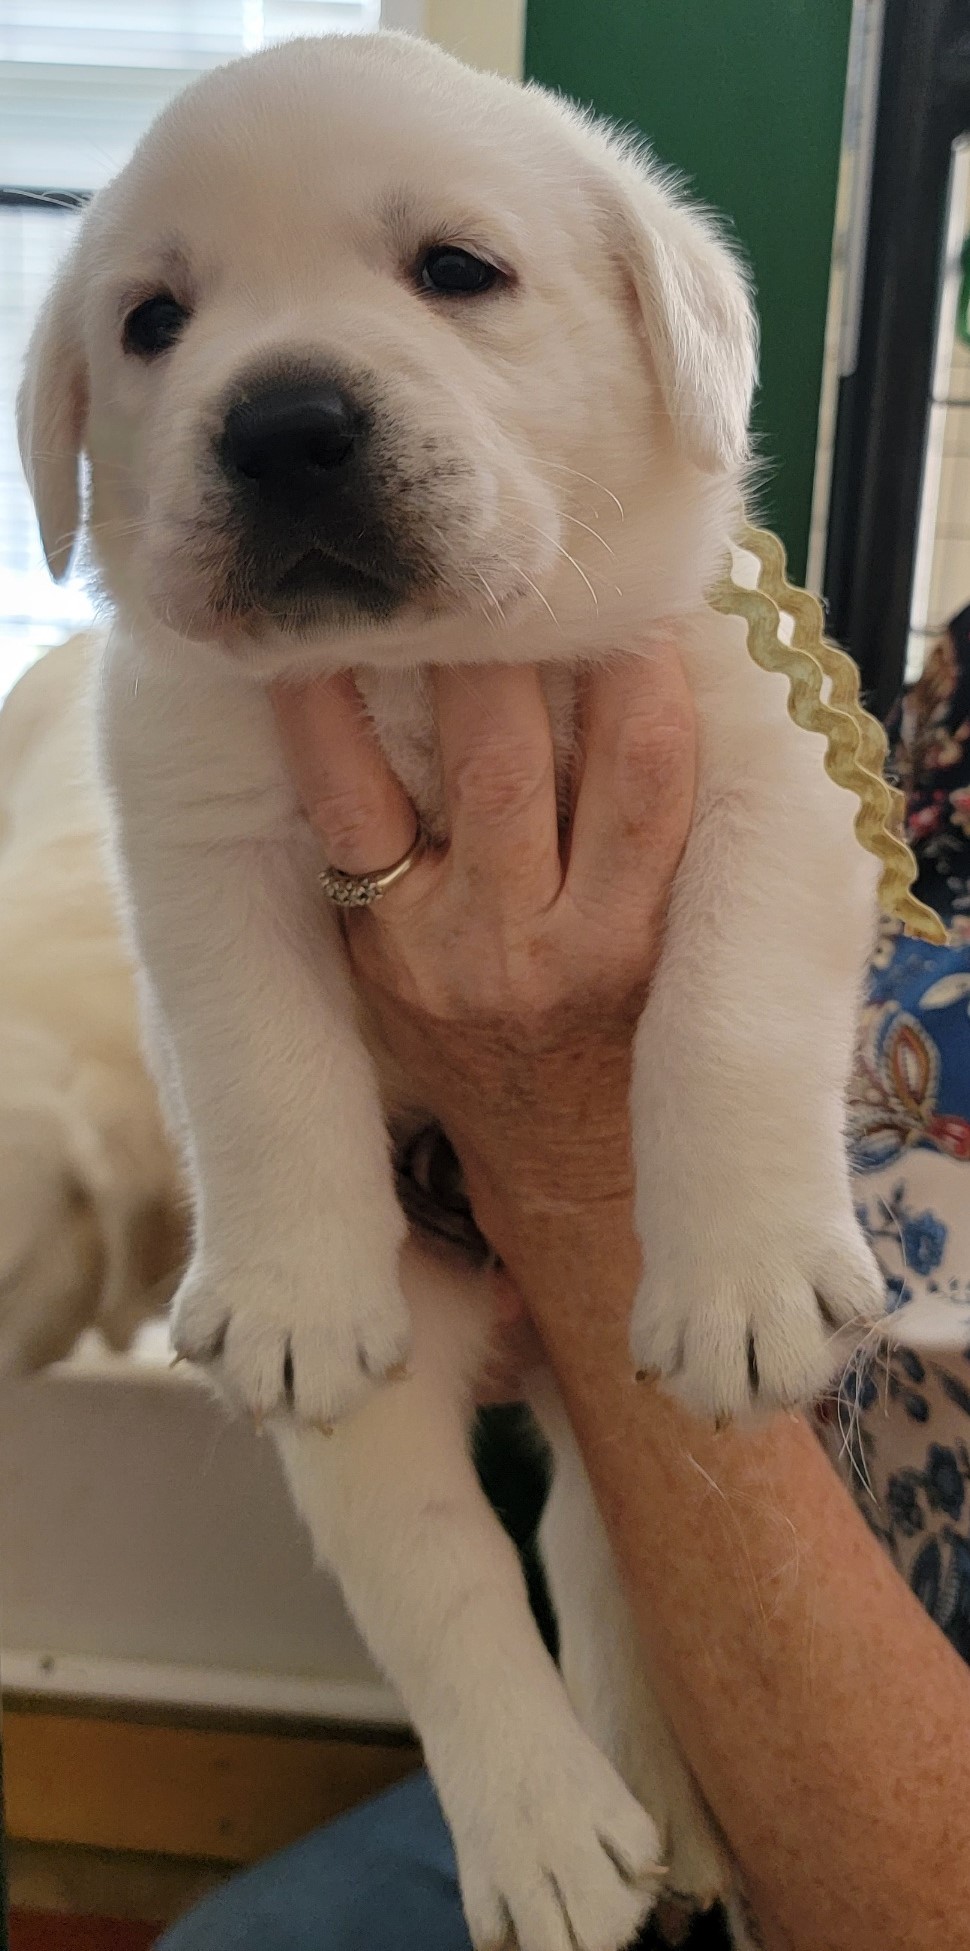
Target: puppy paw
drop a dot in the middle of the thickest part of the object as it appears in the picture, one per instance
(698, 1871)
(561, 1858)
(293, 1338)
(764, 1321)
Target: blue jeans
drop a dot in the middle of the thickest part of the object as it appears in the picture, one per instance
(381, 1878)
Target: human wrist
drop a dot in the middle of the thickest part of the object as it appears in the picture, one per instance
(559, 1221)
(543, 1127)
(542, 1180)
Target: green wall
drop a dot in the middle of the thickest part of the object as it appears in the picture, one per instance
(744, 96)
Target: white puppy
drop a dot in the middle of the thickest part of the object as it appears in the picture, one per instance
(89, 1227)
(381, 363)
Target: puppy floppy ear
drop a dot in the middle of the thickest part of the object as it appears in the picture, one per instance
(51, 412)
(696, 310)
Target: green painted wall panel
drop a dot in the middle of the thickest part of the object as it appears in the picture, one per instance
(745, 97)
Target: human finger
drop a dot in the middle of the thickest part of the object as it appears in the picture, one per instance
(355, 805)
(636, 788)
(500, 783)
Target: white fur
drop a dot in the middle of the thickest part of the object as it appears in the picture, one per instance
(593, 423)
(88, 1208)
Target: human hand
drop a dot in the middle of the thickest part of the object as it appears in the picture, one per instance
(507, 973)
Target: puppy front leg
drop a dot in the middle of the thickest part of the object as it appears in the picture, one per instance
(293, 1284)
(550, 1843)
(757, 1279)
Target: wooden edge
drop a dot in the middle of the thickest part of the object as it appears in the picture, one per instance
(220, 1793)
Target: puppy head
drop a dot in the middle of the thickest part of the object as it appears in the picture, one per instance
(360, 341)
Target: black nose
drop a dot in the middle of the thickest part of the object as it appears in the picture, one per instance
(285, 438)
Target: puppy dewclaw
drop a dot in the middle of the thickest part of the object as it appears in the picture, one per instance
(378, 363)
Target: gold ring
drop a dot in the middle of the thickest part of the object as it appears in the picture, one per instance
(362, 890)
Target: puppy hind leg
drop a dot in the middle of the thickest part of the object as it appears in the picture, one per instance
(605, 1671)
(549, 1842)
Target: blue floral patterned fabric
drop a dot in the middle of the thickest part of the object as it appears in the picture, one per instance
(930, 734)
(899, 1427)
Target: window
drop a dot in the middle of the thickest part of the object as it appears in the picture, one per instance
(79, 82)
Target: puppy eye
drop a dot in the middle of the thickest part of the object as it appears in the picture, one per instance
(456, 273)
(154, 325)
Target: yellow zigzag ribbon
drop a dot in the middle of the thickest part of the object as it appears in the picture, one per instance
(856, 743)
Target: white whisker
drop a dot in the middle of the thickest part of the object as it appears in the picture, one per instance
(537, 592)
(489, 618)
(594, 532)
(571, 559)
(601, 485)
(597, 537)
(486, 585)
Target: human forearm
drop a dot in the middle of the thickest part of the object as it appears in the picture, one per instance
(825, 1716)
